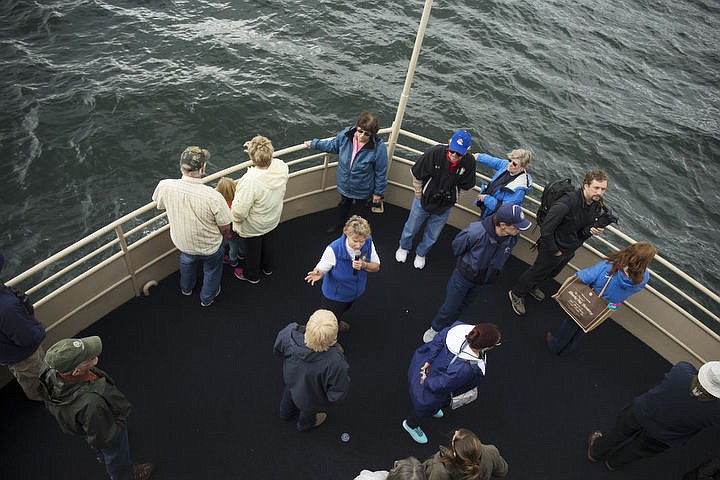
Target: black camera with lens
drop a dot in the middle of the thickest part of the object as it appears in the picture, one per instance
(605, 218)
(443, 197)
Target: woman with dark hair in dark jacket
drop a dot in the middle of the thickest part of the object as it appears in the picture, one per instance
(451, 364)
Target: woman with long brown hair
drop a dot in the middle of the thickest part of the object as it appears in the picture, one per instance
(466, 459)
(624, 272)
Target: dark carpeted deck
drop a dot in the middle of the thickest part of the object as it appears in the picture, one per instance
(206, 387)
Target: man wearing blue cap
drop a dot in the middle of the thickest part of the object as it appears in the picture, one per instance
(481, 248)
(438, 177)
(21, 336)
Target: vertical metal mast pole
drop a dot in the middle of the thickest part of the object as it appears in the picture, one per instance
(408, 81)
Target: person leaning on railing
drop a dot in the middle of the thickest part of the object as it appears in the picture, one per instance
(21, 337)
(510, 182)
(199, 219)
(257, 208)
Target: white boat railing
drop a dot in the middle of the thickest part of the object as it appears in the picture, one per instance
(116, 244)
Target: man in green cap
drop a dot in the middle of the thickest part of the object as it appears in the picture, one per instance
(85, 402)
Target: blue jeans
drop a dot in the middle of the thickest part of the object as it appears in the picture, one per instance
(236, 247)
(288, 409)
(459, 296)
(117, 457)
(212, 273)
(566, 338)
(433, 228)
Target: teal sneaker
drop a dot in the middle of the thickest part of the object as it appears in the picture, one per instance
(416, 433)
(438, 414)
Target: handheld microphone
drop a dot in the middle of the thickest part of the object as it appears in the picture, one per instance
(357, 257)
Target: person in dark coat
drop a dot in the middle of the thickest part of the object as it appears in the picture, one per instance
(466, 459)
(86, 403)
(451, 364)
(481, 248)
(668, 415)
(21, 337)
(314, 369)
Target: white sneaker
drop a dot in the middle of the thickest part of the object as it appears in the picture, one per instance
(401, 255)
(429, 335)
(419, 262)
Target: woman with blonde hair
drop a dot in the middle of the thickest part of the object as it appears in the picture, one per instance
(314, 369)
(624, 272)
(344, 266)
(510, 182)
(466, 459)
(257, 207)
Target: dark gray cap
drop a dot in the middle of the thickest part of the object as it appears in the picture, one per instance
(193, 158)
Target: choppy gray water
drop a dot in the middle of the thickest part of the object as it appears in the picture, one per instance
(99, 98)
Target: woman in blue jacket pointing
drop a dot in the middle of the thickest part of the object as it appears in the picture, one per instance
(627, 270)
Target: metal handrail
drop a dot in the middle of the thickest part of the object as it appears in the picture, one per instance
(117, 228)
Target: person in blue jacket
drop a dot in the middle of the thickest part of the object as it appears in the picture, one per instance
(627, 271)
(510, 182)
(481, 248)
(362, 166)
(453, 363)
(344, 266)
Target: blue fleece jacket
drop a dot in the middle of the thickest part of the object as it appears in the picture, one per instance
(513, 193)
(620, 287)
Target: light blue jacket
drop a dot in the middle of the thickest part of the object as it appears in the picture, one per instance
(368, 173)
(513, 192)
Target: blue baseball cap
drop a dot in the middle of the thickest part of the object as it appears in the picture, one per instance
(460, 142)
(513, 215)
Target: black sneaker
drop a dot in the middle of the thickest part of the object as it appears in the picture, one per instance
(537, 294)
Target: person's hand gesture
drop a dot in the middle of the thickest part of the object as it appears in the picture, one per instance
(313, 276)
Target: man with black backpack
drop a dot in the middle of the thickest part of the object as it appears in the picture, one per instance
(570, 220)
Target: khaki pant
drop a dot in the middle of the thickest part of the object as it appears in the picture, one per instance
(27, 373)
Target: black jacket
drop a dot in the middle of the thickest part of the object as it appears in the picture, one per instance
(567, 224)
(440, 187)
(316, 379)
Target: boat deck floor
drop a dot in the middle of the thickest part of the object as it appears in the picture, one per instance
(206, 388)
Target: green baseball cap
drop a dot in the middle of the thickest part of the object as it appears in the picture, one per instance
(67, 354)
